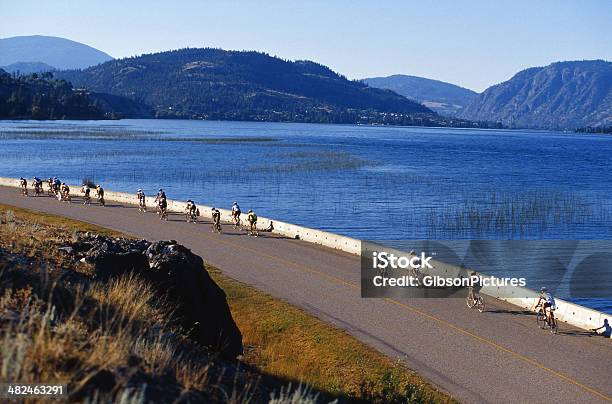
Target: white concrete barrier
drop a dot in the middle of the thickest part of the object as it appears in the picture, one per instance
(567, 312)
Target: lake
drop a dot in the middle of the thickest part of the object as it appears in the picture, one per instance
(374, 183)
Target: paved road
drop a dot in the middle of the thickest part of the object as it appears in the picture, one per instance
(499, 356)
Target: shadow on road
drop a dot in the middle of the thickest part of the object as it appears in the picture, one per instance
(512, 312)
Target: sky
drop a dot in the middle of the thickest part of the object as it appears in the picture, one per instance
(472, 43)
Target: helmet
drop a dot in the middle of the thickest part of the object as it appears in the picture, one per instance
(234, 203)
(250, 210)
(543, 289)
(139, 190)
(213, 208)
(160, 190)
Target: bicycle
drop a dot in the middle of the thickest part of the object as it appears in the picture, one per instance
(163, 214)
(191, 217)
(216, 227)
(475, 302)
(544, 323)
(252, 230)
(237, 222)
(37, 189)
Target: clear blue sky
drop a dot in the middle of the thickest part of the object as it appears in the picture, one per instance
(471, 43)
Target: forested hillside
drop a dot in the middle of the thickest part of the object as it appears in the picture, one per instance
(40, 96)
(217, 84)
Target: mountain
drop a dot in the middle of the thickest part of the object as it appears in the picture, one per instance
(444, 98)
(39, 96)
(28, 67)
(57, 52)
(244, 85)
(563, 95)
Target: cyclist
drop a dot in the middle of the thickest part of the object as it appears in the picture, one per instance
(474, 290)
(65, 191)
(216, 216)
(86, 191)
(100, 195)
(547, 304)
(270, 227)
(142, 201)
(56, 187)
(160, 194)
(162, 208)
(37, 182)
(607, 329)
(24, 186)
(252, 219)
(191, 211)
(236, 214)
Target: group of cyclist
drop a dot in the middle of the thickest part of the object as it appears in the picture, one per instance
(60, 190)
(544, 306)
(192, 212)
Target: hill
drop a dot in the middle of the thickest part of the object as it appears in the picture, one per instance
(240, 85)
(563, 95)
(57, 52)
(28, 67)
(39, 96)
(443, 98)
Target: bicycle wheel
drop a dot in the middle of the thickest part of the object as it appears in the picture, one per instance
(541, 320)
(480, 304)
(469, 302)
(554, 328)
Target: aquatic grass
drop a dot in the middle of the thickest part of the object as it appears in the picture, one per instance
(504, 214)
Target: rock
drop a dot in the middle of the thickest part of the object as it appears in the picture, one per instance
(202, 304)
(202, 309)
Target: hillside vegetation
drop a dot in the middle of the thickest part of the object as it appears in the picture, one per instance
(564, 95)
(40, 96)
(232, 85)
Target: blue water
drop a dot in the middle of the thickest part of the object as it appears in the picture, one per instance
(376, 183)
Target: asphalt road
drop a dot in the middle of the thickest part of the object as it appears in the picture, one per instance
(499, 356)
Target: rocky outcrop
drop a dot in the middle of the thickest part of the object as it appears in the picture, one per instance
(564, 95)
(177, 273)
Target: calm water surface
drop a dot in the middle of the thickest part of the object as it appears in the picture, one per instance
(376, 183)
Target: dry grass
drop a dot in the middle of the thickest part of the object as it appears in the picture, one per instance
(122, 327)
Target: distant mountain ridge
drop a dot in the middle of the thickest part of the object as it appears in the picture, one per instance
(60, 53)
(563, 95)
(444, 98)
(28, 67)
(217, 84)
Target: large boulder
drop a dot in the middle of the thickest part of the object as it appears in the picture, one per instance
(201, 305)
(201, 302)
